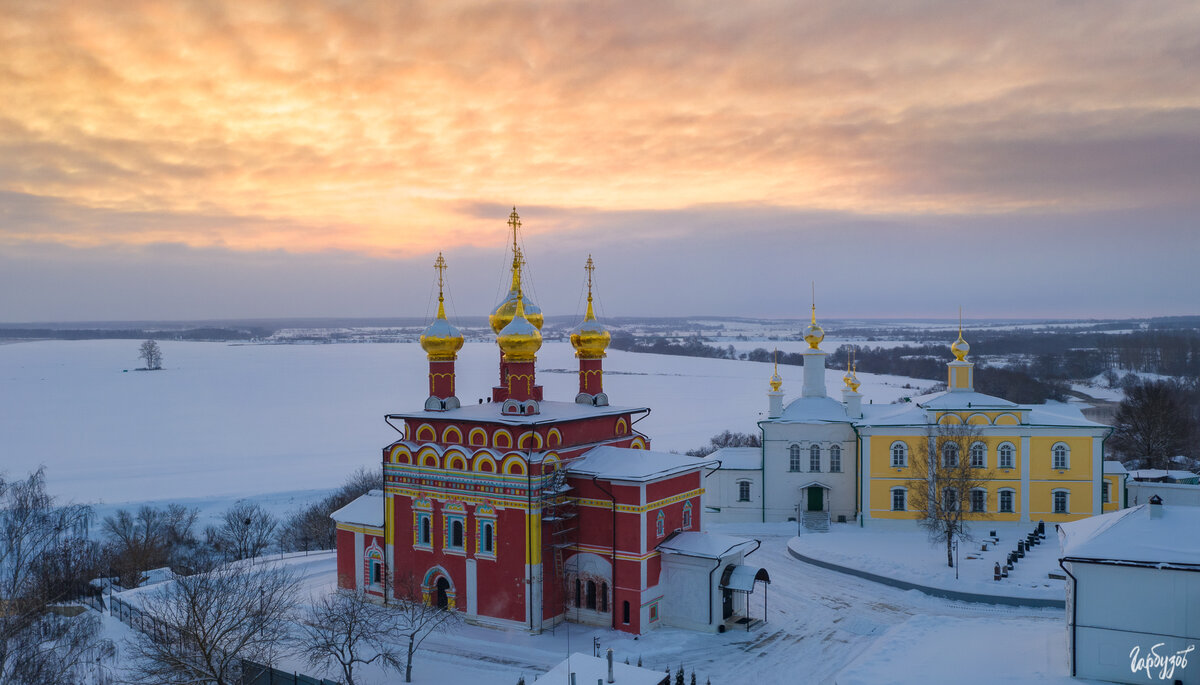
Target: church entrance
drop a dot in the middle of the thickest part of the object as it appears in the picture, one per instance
(726, 603)
(443, 586)
(816, 499)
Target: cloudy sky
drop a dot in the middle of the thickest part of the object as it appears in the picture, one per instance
(232, 158)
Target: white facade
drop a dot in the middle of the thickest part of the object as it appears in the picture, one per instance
(733, 492)
(694, 568)
(808, 466)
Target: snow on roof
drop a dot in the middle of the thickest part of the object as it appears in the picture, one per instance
(813, 410)
(1130, 535)
(367, 510)
(588, 669)
(1114, 467)
(742, 458)
(1148, 474)
(1060, 414)
(550, 411)
(707, 545)
(626, 463)
(961, 399)
(742, 577)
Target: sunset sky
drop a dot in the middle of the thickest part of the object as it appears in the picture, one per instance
(232, 158)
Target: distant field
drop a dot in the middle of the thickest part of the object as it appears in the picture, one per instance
(228, 420)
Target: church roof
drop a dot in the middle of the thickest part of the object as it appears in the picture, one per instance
(1132, 536)
(958, 399)
(367, 510)
(589, 669)
(707, 545)
(489, 412)
(743, 458)
(625, 463)
(813, 410)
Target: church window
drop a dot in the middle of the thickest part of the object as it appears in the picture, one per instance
(578, 593)
(376, 573)
(660, 525)
(1007, 455)
(604, 597)
(687, 516)
(794, 458)
(899, 499)
(949, 455)
(949, 499)
(625, 612)
(743, 491)
(591, 595)
(814, 458)
(978, 455)
(425, 532)
(1061, 503)
(1104, 492)
(456, 534)
(835, 459)
(978, 500)
(1006, 501)
(1060, 454)
(899, 455)
(487, 538)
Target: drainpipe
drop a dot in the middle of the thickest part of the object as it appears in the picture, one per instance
(762, 472)
(528, 526)
(858, 464)
(613, 605)
(1074, 612)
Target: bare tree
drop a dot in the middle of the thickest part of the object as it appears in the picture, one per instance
(148, 539)
(942, 481)
(417, 617)
(1155, 422)
(347, 629)
(312, 528)
(45, 559)
(201, 626)
(151, 354)
(246, 530)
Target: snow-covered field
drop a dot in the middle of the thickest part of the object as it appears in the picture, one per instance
(224, 421)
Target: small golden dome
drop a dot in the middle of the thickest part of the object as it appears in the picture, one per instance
(590, 338)
(848, 379)
(776, 379)
(814, 334)
(507, 308)
(520, 339)
(441, 340)
(960, 348)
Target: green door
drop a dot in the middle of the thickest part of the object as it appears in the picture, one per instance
(816, 499)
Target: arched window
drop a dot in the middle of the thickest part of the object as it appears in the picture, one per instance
(978, 455)
(899, 454)
(687, 516)
(604, 597)
(835, 459)
(743, 491)
(456, 534)
(1007, 455)
(426, 532)
(1061, 456)
(950, 455)
(794, 458)
(814, 458)
(487, 537)
(660, 525)
(591, 595)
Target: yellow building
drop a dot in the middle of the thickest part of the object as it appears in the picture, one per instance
(828, 461)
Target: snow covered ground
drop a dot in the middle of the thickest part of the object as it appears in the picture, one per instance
(227, 421)
(822, 627)
(908, 555)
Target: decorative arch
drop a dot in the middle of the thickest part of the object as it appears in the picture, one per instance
(502, 438)
(687, 515)
(401, 455)
(456, 460)
(528, 437)
(950, 419)
(899, 454)
(551, 462)
(978, 420)
(554, 438)
(425, 432)
(514, 465)
(1007, 420)
(477, 437)
(452, 434)
(429, 587)
(637, 443)
(622, 427)
(429, 457)
(485, 462)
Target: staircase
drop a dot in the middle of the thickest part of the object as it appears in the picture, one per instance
(815, 521)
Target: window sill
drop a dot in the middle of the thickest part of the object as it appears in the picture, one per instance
(456, 551)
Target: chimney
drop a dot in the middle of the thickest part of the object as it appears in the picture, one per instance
(1156, 505)
(610, 668)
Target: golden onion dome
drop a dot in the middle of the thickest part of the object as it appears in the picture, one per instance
(776, 381)
(519, 340)
(814, 334)
(441, 340)
(848, 379)
(590, 338)
(504, 312)
(960, 348)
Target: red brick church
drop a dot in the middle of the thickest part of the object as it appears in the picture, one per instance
(523, 511)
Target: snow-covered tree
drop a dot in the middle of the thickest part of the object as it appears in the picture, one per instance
(245, 532)
(150, 353)
(346, 630)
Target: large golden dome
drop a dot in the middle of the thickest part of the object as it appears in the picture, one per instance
(441, 341)
(519, 340)
(814, 334)
(960, 348)
(507, 308)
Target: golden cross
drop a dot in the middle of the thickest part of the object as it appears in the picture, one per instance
(440, 265)
(814, 302)
(515, 221)
(589, 268)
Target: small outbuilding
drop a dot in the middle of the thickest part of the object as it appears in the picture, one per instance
(1133, 594)
(585, 669)
(707, 585)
